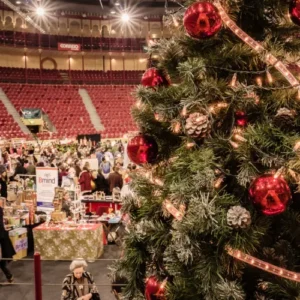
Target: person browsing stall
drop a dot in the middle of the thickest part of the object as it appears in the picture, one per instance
(79, 285)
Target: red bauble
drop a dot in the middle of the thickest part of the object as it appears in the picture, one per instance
(153, 77)
(241, 119)
(142, 149)
(270, 194)
(202, 20)
(295, 11)
(153, 289)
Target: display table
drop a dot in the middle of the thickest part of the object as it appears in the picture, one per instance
(66, 243)
(93, 206)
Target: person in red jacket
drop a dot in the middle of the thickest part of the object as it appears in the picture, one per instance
(85, 178)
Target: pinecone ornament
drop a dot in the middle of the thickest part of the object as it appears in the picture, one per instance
(285, 118)
(197, 125)
(238, 217)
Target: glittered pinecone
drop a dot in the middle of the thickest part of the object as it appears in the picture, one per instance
(238, 217)
(197, 125)
(285, 118)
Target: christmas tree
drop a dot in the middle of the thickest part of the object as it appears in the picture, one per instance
(215, 212)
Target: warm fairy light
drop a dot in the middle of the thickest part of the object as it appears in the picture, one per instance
(269, 77)
(139, 104)
(172, 210)
(272, 60)
(278, 173)
(184, 111)
(156, 116)
(239, 138)
(175, 22)
(222, 105)
(158, 181)
(176, 127)
(162, 287)
(234, 144)
(297, 146)
(233, 80)
(263, 265)
(182, 208)
(259, 81)
(218, 182)
(190, 145)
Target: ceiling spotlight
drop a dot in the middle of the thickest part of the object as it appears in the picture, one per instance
(117, 3)
(18, 2)
(125, 17)
(40, 11)
(112, 12)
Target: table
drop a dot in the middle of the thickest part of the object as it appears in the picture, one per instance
(68, 243)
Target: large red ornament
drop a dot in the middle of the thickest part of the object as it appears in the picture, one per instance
(142, 149)
(153, 77)
(154, 289)
(202, 20)
(270, 194)
(241, 119)
(295, 11)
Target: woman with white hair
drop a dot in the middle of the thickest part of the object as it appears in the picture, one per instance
(79, 285)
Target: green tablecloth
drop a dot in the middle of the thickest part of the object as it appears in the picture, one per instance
(63, 243)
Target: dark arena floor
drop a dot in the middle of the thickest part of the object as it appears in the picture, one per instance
(53, 273)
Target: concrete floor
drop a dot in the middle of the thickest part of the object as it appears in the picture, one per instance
(53, 273)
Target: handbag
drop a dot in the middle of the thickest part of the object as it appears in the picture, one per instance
(96, 296)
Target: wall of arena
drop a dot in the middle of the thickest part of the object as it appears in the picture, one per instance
(86, 27)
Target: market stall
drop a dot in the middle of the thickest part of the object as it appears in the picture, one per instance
(67, 242)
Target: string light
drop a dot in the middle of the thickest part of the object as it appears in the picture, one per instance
(176, 127)
(218, 182)
(233, 80)
(260, 264)
(190, 145)
(138, 104)
(184, 112)
(297, 146)
(239, 138)
(234, 144)
(279, 172)
(172, 210)
(271, 59)
(269, 77)
(259, 81)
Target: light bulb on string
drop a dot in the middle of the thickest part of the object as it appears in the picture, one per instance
(269, 77)
(233, 80)
(190, 145)
(176, 127)
(184, 112)
(298, 96)
(259, 81)
(234, 144)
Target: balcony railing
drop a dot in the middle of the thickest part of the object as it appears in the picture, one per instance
(47, 41)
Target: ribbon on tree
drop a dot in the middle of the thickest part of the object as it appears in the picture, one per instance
(269, 58)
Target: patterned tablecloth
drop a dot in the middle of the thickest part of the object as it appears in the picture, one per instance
(67, 243)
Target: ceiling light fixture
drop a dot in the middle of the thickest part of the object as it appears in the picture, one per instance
(40, 11)
(125, 17)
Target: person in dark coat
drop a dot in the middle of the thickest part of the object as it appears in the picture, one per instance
(3, 181)
(100, 182)
(115, 180)
(7, 248)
